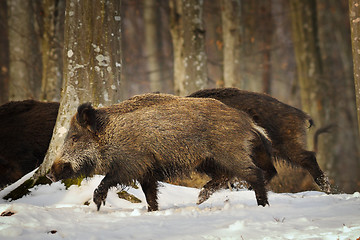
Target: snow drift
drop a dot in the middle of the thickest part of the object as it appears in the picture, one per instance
(52, 212)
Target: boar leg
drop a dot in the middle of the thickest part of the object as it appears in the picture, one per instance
(263, 161)
(101, 191)
(245, 170)
(262, 157)
(212, 186)
(307, 160)
(149, 187)
(257, 184)
(255, 178)
(267, 166)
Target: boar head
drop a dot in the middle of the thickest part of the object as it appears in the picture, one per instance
(79, 155)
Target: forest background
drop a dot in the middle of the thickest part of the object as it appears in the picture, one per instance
(106, 51)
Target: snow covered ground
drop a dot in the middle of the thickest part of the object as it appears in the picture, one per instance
(51, 212)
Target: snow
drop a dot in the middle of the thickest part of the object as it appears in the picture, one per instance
(52, 212)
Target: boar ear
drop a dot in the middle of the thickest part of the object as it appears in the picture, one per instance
(86, 116)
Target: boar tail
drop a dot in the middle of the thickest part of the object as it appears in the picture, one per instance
(261, 133)
(326, 129)
(311, 122)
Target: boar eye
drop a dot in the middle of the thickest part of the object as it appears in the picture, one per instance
(74, 138)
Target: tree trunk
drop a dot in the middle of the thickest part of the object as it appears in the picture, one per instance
(322, 98)
(343, 143)
(92, 70)
(134, 69)
(255, 37)
(4, 54)
(25, 76)
(214, 44)
(231, 22)
(52, 45)
(354, 12)
(308, 60)
(190, 70)
(177, 35)
(194, 56)
(92, 64)
(152, 44)
(267, 45)
(285, 86)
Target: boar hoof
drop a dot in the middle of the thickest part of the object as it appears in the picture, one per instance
(99, 197)
(203, 195)
(324, 184)
(262, 202)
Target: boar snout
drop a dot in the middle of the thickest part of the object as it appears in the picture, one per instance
(60, 170)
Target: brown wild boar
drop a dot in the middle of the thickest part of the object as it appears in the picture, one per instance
(154, 137)
(25, 133)
(285, 125)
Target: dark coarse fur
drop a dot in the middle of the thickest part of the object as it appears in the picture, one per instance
(285, 125)
(154, 137)
(25, 133)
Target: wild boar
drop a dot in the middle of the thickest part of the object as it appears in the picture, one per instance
(285, 125)
(154, 137)
(25, 133)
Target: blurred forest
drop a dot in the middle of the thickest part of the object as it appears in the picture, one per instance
(296, 51)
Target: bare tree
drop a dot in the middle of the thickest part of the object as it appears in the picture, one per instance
(4, 53)
(51, 47)
(92, 68)
(308, 59)
(177, 35)
(25, 76)
(92, 64)
(327, 100)
(190, 65)
(354, 12)
(343, 142)
(195, 63)
(267, 44)
(231, 23)
(152, 44)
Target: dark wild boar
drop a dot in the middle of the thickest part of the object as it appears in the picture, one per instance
(154, 137)
(285, 125)
(25, 133)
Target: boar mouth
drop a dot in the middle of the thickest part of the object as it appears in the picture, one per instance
(63, 170)
(60, 171)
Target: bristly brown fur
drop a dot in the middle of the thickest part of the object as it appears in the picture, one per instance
(25, 133)
(285, 125)
(152, 137)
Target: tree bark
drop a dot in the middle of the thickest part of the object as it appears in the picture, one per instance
(152, 44)
(324, 99)
(354, 12)
(188, 36)
(92, 64)
(52, 45)
(231, 22)
(308, 60)
(4, 54)
(342, 147)
(255, 37)
(214, 44)
(194, 56)
(25, 76)
(267, 45)
(177, 36)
